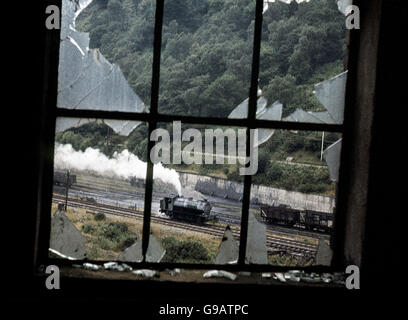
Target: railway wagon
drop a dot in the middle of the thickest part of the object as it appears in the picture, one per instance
(307, 219)
(60, 178)
(281, 214)
(187, 209)
(316, 220)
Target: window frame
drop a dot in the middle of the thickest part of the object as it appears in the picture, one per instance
(51, 113)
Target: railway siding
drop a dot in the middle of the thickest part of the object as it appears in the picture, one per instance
(272, 241)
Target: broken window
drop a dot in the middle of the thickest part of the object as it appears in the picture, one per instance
(87, 78)
(136, 70)
(293, 198)
(206, 58)
(301, 60)
(206, 196)
(98, 189)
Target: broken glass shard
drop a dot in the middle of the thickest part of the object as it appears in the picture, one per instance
(256, 251)
(343, 4)
(331, 94)
(332, 157)
(228, 249)
(273, 112)
(65, 239)
(86, 80)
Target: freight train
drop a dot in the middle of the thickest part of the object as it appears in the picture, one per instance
(60, 179)
(187, 209)
(307, 219)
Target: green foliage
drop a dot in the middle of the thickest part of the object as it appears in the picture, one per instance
(274, 171)
(114, 231)
(110, 235)
(69, 137)
(293, 143)
(105, 243)
(185, 251)
(263, 159)
(305, 179)
(125, 243)
(303, 146)
(89, 228)
(94, 135)
(99, 216)
(206, 53)
(206, 60)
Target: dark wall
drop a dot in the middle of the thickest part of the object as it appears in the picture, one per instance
(388, 163)
(387, 166)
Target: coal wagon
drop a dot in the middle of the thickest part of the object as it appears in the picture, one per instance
(306, 219)
(316, 220)
(280, 214)
(60, 178)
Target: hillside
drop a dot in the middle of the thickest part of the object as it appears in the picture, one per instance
(207, 50)
(205, 71)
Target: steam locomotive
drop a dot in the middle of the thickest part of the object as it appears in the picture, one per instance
(307, 219)
(60, 178)
(187, 209)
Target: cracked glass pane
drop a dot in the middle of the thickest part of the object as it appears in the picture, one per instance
(191, 213)
(99, 191)
(105, 68)
(263, 112)
(301, 60)
(293, 199)
(206, 56)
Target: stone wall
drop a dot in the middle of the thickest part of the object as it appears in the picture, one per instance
(259, 194)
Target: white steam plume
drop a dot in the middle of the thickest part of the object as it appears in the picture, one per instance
(123, 165)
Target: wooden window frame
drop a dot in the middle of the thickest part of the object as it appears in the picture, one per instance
(349, 221)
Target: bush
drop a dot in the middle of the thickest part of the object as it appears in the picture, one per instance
(187, 251)
(126, 243)
(114, 231)
(295, 178)
(312, 145)
(104, 243)
(294, 143)
(99, 216)
(226, 170)
(88, 228)
(274, 171)
(263, 160)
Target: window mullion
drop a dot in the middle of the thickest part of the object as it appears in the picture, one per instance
(252, 104)
(152, 123)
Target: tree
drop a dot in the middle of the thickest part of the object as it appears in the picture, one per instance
(283, 89)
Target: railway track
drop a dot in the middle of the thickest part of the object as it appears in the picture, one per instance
(276, 229)
(231, 219)
(275, 242)
(297, 231)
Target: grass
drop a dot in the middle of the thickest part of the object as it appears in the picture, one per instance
(103, 243)
(108, 245)
(99, 245)
(290, 261)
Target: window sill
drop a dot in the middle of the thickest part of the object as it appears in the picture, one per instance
(186, 277)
